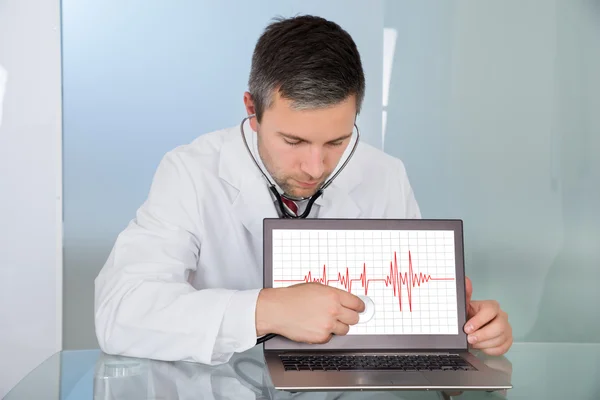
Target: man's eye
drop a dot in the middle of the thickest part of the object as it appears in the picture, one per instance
(292, 143)
(339, 143)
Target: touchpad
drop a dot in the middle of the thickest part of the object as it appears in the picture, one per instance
(409, 379)
(405, 379)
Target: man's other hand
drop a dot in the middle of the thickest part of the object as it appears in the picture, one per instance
(487, 325)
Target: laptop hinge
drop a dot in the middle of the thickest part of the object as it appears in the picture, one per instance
(372, 351)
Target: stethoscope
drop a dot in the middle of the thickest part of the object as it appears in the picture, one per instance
(285, 212)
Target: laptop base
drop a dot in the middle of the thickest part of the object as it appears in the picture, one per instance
(481, 378)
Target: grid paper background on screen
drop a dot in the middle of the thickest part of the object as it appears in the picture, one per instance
(378, 263)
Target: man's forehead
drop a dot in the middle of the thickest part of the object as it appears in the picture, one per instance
(322, 124)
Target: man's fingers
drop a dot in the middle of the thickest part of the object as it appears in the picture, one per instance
(493, 329)
(490, 343)
(499, 350)
(340, 329)
(348, 316)
(321, 340)
(351, 301)
(486, 311)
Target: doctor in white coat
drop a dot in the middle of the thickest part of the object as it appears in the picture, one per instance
(184, 279)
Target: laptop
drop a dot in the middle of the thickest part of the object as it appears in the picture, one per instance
(410, 274)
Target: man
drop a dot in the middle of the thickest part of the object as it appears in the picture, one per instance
(184, 279)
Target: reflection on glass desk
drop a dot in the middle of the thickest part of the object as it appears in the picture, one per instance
(537, 370)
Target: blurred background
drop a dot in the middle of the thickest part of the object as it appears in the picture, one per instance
(492, 105)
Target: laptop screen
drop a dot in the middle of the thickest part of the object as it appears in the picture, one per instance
(404, 270)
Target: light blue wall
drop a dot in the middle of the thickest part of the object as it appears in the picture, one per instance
(142, 77)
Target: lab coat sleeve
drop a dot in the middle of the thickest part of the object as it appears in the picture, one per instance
(144, 304)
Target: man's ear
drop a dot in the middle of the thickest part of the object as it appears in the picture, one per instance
(250, 110)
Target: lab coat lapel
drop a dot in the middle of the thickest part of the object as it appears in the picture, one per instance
(253, 201)
(336, 202)
(253, 204)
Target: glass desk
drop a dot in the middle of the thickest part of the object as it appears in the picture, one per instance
(537, 370)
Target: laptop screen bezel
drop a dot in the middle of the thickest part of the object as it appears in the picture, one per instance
(374, 342)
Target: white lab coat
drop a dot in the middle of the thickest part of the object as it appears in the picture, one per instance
(182, 280)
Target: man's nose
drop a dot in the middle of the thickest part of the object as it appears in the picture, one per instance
(314, 163)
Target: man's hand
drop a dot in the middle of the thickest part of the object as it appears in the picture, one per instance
(307, 312)
(487, 325)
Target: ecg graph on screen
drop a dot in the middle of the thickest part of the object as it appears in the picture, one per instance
(409, 275)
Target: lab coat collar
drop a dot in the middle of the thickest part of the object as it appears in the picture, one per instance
(253, 202)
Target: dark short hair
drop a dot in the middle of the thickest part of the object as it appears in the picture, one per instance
(311, 61)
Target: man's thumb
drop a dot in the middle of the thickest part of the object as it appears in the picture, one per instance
(468, 290)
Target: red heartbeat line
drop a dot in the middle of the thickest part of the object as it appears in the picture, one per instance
(395, 279)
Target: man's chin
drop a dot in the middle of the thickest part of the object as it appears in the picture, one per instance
(301, 192)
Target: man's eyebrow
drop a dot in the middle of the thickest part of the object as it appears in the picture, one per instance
(291, 136)
(341, 138)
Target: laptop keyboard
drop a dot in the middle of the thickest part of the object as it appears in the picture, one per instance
(409, 362)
